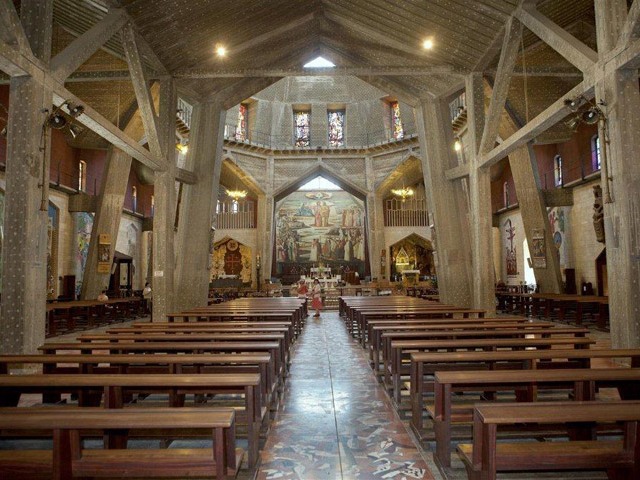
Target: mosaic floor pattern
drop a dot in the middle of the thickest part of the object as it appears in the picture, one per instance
(336, 422)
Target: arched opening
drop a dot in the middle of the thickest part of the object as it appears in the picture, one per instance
(231, 264)
(412, 259)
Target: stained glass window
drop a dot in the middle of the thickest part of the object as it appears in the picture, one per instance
(558, 170)
(302, 121)
(336, 128)
(596, 159)
(241, 127)
(396, 122)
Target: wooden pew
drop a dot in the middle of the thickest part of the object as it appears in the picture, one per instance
(149, 363)
(488, 333)
(114, 387)
(620, 458)
(273, 348)
(427, 363)
(400, 350)
(68, 459)
(580, 384)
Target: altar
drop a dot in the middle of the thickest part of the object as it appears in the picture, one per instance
(410, 277)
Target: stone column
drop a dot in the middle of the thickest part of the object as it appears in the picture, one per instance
(195, 228)
(374, 223)
(107, 220)
(24, 283)
(267, 260)
(452, 241)
(480, 210)
(618, 92)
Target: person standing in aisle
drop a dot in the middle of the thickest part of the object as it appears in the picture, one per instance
(316, 297)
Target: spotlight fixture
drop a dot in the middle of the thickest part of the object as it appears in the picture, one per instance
(221, 50)
(75, 110)
(572, 123)
(57, 121)
(573, 103)
(74, 130)
(591, 116)
(428, 43)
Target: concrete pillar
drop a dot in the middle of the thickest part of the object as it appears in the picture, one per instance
(524, 168)
(375, 223)
(447, 201)
(107, 220)
(24, 295)
(164, 187)
(267, 259)
(195, 227)
(262, 241)
(480, 210)
(618, 92)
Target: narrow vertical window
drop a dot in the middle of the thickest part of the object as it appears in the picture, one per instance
(505, 194)
(82, 176)
(596, 159)
(396, 122)
(302, 121)
(134, 194)
(557, 161)
(241, 127)
(153, 206)
(336, 128)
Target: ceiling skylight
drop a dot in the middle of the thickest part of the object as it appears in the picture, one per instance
(319, 183)
(319, 62)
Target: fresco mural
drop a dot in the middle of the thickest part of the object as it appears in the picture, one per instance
(511, 257)
(559, 221)
(83, 225)
(316, 228)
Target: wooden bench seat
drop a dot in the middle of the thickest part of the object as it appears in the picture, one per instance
(114, 387)
(68, 459)
(485, 457)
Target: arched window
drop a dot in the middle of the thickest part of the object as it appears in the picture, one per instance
(82, 176)
(557, 170)
(134, 194)
(596, 159)
(505, 194)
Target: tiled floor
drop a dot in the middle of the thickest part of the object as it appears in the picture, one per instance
(336, 422)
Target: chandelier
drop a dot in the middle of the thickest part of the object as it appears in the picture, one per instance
(237, 194)
(403, 192)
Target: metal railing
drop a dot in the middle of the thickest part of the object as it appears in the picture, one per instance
(287, 142)
(412, 212)
(185, 111)
(457, 106)
(570, 173)
(231, 214)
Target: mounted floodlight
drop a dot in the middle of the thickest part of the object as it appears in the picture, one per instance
(573, 103)
(74, 130)
(57, 121)
(591, 116)
(75, 110)
(572, 123)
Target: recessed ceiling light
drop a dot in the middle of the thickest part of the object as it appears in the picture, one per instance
(221, 50)
(319, 62)
(428, 43)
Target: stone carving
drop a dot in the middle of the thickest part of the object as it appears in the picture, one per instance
(598, 214)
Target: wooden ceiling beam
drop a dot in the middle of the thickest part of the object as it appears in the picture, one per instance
(508, 56)
(84, 46)
(572, 49)
(631, 28)
(141, 88)
(324, 72)
(11, 31)
(271, 34)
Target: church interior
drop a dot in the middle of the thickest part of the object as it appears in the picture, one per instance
(452, 188)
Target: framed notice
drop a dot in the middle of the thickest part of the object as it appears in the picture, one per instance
(538, 249)
(104, 253)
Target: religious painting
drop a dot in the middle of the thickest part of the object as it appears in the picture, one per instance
(538, 249)
(104, 253)
(83, 227)
(558, 220)
(302, 123)
(231, 259)
(336, 128)
(511, 257)
(320, 228)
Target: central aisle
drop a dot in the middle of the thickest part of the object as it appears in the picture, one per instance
(336, 421)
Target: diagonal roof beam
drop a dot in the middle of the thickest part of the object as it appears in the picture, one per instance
(11, 31)
(141, 88)
(276, 32)
(239, 91)
(572, 49)
(541, 123)
(81, 49)
(376, 35)
(508, 56)
(631, 28)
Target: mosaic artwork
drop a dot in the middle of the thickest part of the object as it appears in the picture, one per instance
(231, 258)
(320, 227)
(396, 122)
(83, 226)
(241, 127)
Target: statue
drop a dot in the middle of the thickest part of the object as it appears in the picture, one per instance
(598, 214)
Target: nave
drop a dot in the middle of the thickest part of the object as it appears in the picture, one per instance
(336, 421)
